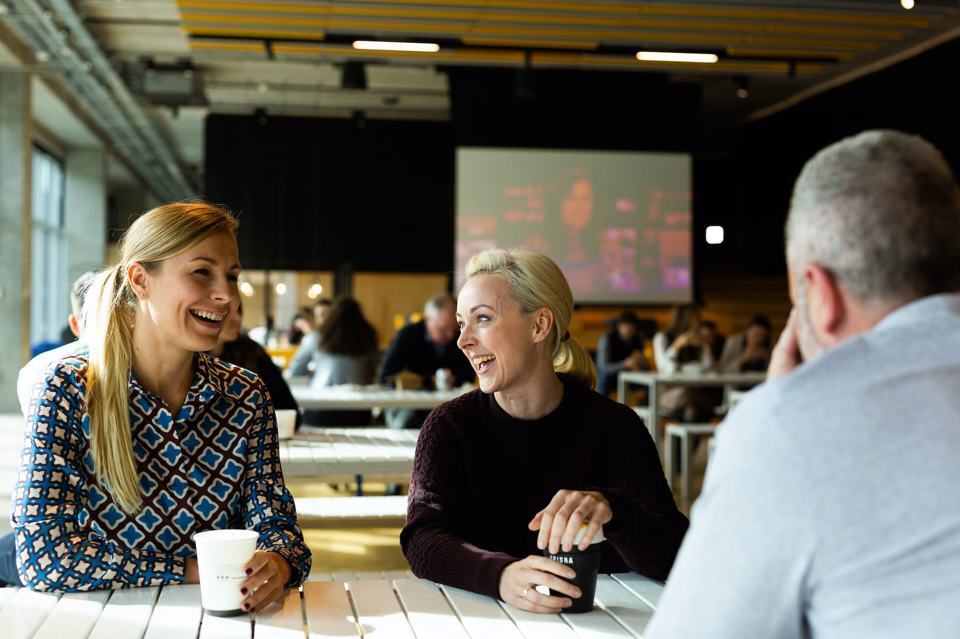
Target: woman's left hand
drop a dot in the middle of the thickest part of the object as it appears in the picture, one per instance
(560, 521)
(267, 577)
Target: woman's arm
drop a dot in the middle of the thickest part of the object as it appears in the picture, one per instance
(298, 365)
(646, 527)
(50, 499)
(268, 506)
(664, 354)
(433, 539)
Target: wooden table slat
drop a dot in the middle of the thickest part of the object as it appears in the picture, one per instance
(428, 611)
(73, 616)
(596, 625)
(623, 605)
(328, 611)
(239, 627)
(25, 611)
(6, 594)
(177, 613)
(397, 574)
(344, 576)
(480, 615)
(539, 626)
(379, 611)
(282, 620)
(126, 614)
(647, 589)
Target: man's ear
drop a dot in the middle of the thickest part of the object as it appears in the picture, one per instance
(826, 304)
(542, 324)
(74, 323)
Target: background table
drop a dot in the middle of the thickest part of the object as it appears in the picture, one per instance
(380, 608)
(657, 382)
(340, 454)
(368, 397)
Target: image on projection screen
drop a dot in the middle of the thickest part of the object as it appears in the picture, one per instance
(617, 223)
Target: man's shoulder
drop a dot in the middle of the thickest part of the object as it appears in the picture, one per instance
(69, 359)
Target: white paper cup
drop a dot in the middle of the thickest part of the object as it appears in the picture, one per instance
(221, 556)
(286, 422)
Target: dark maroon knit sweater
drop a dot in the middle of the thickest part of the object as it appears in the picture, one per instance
(479, 476)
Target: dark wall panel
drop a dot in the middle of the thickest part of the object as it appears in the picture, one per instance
(319, 193)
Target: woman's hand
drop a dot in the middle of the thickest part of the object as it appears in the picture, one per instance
(519, 581)
(267, 577)
(560, 521)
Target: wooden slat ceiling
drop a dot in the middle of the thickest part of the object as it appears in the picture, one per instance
(286, 55)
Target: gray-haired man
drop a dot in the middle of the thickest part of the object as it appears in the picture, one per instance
(830, 507)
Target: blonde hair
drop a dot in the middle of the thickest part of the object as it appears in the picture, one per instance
(537, 282)
(158, 234)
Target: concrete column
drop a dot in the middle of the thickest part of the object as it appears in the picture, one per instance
(14, 232)
(85, 212)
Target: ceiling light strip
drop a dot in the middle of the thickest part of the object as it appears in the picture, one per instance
(375, 45)
(677, 56)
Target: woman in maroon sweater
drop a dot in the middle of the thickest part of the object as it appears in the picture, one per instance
(516, 467)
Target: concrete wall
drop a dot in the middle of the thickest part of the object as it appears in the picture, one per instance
(85, 208)
(14, 216)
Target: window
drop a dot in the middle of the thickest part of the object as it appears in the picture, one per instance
(48, 276)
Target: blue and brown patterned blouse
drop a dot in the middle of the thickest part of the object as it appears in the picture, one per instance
(215, 466)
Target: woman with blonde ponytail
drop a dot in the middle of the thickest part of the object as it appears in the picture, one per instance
(143, 440)
(511, 470)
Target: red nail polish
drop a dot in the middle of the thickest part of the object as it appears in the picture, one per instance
(243, 591)
(249, 571)
(246, 606)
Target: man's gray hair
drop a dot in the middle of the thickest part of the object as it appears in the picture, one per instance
(881, 211)
(437, 303)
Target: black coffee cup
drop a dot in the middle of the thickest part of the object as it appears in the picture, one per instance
(586, 563)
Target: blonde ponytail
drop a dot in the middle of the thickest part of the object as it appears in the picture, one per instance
(111, 352)
(574, 360)
(108, 316)
(537, 282)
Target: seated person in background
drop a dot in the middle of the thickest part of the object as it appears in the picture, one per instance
(503, 472)
(301, 364)
(346, 353)
(749, 350)
(711, 340)
(620, 349)
(424, 348)
(33, 369)
(235, 347)
(680, 348)
(829, 507)
(134, 446)
(300, 325)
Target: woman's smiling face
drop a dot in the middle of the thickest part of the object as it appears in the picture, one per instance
(188, 296)
(495, 334)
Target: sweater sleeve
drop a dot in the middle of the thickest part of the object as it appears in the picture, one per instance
(393, 359)
(664, 355)
(267, 504)
(56, 551)
(646, 528)
(298, 365)
(433, 538)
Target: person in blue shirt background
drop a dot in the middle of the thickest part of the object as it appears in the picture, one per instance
(142, 441)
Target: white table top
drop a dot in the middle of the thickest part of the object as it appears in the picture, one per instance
(337, 454)
(693, 379)
(353, 397)
(398, 608)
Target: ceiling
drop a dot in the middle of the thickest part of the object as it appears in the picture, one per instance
(287, 56)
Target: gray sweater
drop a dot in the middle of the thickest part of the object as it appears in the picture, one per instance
(830, 507)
